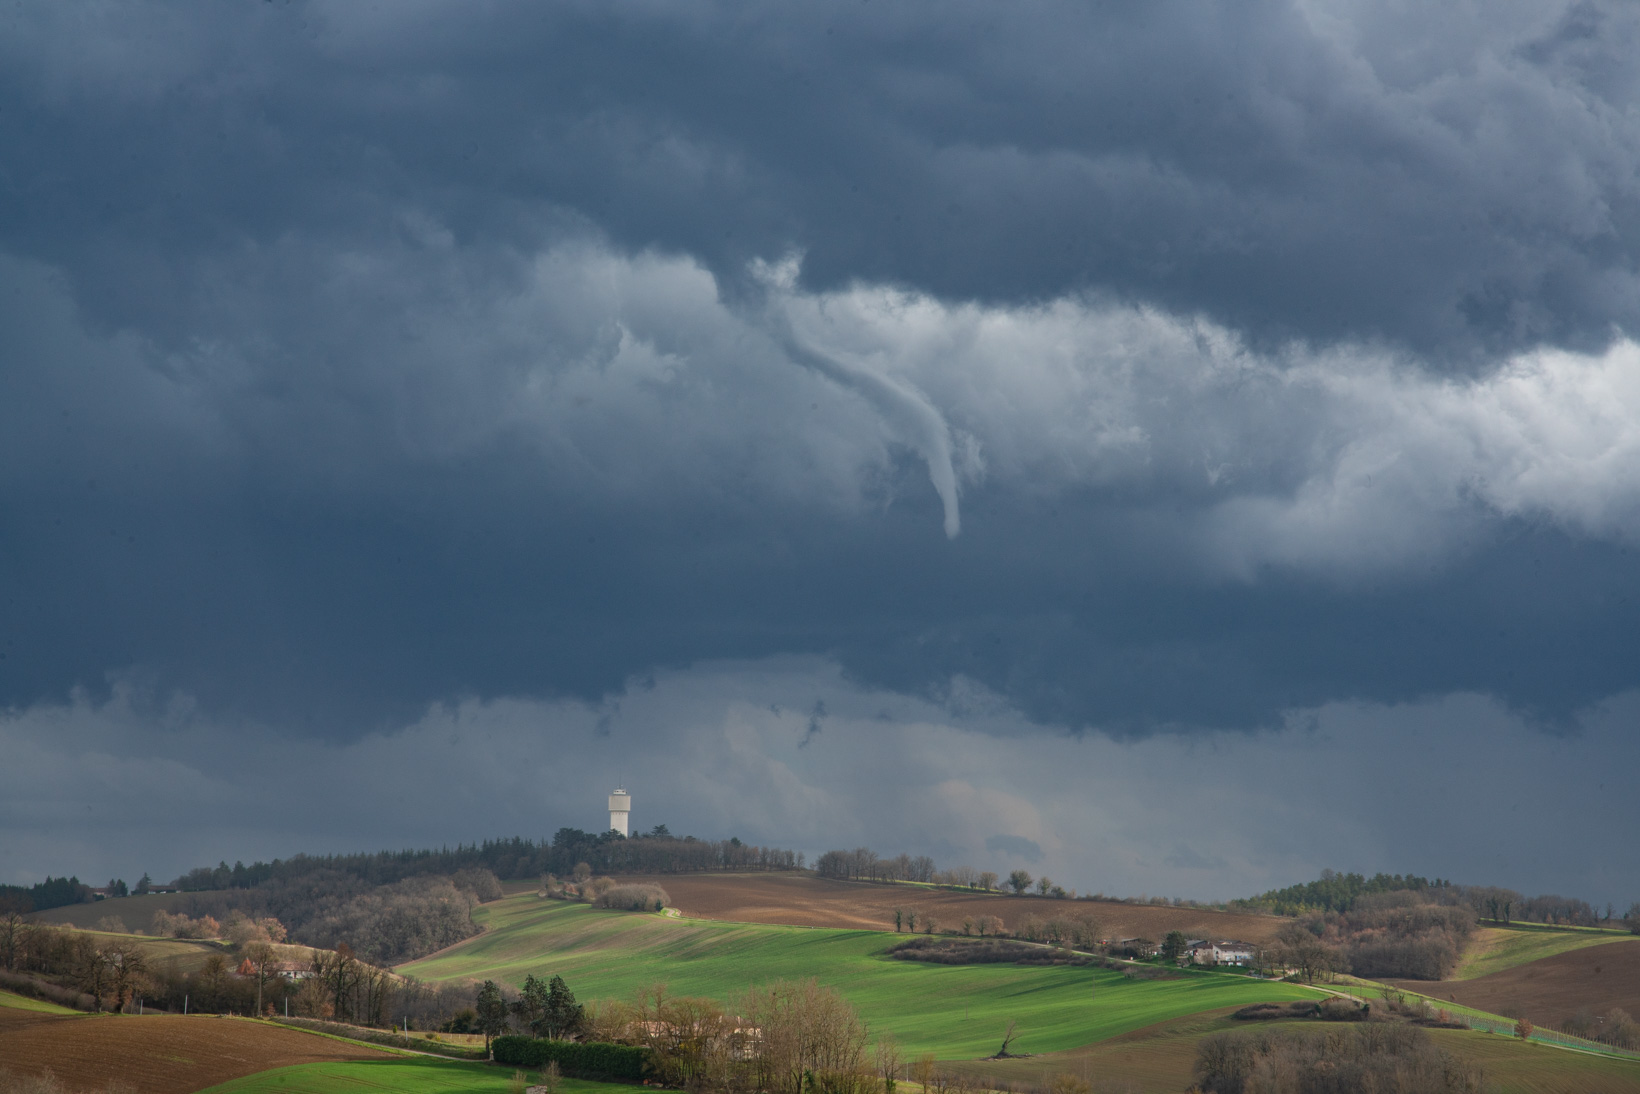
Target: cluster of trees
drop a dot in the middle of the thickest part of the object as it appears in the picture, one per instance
(984, 951)
(1616, 1027)
(1508, 906)
(545, 1008)
(966, 877)
(657, 851)
(498, 857)
(262, 976)
(171, 925)
(404, 920)
(1399, 933)
(1020, 881)
(109, 972)
(53, 892)
(1391, 1058)
(385, 924)
(1079, 932)
(864, 864)
(605, 892)
(1335, 892)
(788, 1037)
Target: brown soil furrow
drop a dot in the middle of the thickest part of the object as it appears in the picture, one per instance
(803, 900)
(157, 1054)
(1550, 990)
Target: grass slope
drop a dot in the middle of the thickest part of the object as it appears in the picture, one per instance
(23, 1002)
(1494, 949)
(412, 1076)
(951, 1010)
(1516, 1068)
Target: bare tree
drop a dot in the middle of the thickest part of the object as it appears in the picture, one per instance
(265, 967)
(1007, 1040)
(91, 971)
(806, 1029)
(211, 982)
(127, 971)
(13, 932)
(1302, 950)
(889, 1061)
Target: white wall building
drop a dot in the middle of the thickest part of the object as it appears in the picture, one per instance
(1221, 953)
(620, 811)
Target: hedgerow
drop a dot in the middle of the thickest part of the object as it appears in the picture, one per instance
(576, 1059)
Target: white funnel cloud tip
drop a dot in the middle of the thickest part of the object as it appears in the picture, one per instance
(910, 414)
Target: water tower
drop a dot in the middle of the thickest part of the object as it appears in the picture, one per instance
(620, 811)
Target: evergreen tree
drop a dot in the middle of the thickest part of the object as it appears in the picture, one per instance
(531, 1006)
(563, 1014)
(492, 1012)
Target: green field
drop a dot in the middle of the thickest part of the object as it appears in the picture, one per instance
(1494, 949)
(412, 1076)
(23, 1002)
(953, 1011)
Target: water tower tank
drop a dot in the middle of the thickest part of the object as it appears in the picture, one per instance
(620, 810)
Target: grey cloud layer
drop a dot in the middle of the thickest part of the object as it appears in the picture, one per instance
(1449, 181)
(423, 488)
(721, 749)
(1149, 369)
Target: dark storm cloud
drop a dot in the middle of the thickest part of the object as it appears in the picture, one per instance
(355, 360)
(1323, 171)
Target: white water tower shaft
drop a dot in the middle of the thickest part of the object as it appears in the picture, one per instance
(620, 811)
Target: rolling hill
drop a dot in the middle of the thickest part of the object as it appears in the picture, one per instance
(952, 1011)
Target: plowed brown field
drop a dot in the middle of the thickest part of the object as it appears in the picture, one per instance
(1553, 989)
(157, 1054)
(805, 901)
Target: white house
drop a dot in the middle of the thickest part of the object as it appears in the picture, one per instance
(1221, 953)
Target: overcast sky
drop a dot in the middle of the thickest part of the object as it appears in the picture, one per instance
(1173, 447)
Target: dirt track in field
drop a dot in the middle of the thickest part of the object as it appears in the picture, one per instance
(807, 901)
(157, 1054)
(1552, 989)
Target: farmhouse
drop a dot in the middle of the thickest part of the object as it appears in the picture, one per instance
(1203, 952)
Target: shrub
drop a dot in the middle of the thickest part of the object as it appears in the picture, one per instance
(1382, 1056)
(1341, 1010)
(636, 898)
(167, 925)
(1621, 1030)
(576, 1059)
(1266, 1012)
(990, 951)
